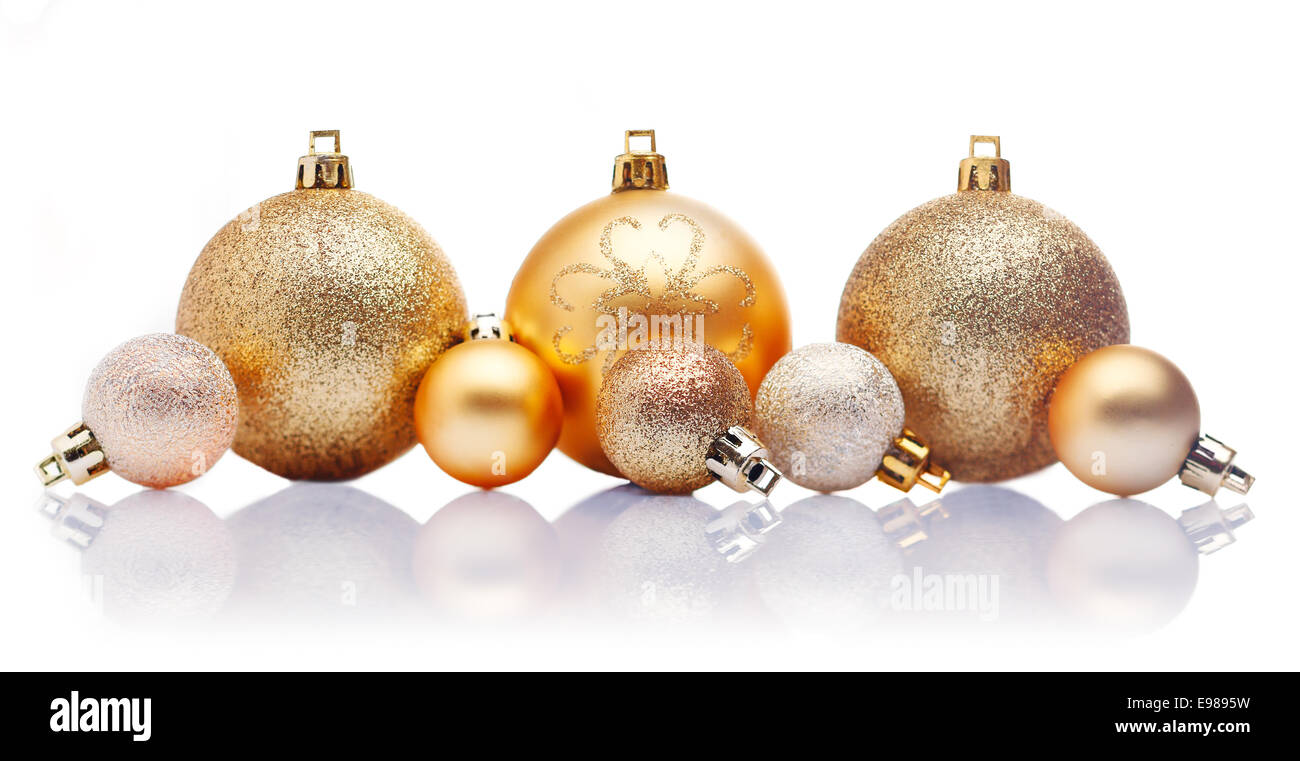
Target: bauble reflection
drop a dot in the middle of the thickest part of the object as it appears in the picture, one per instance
(649, 558)
(1122, 566)
(155, 557)
(983, 561)
(828, 566)
(322, 550)
(487, 556)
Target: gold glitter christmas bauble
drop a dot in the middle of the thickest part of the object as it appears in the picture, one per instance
(1124, 419)
(642, 264)
(488, 411)
(828, 413)
(327, 305)
(977, 302)
(659, 412)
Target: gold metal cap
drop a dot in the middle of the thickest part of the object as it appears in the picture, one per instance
(985, 172)
(324, 170)
(76, 519)
(77, 456)
(1209, 466)
(640, 170)
(738, 459)
(907, 464)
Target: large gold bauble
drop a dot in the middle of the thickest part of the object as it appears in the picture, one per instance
(651, 253)
(327, 305)
(977, 302)
(1124, 419)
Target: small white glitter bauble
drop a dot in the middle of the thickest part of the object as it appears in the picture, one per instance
(827, 413)
(163, 408)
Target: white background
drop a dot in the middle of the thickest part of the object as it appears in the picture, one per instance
(132, 131)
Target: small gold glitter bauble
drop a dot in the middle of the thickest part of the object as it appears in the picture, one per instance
(327, 305)
(159, 410)
(1124, 419)
(642, 264)
(977, 302)
(488, 411)
(659, 411)
(828, 413)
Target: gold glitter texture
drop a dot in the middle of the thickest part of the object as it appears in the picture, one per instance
(678, 288)
(827, 413)
(977, 302)
(653, 252)
(327, 306)
(659, 410)
(163, 408)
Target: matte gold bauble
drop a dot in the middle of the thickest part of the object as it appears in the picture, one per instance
(488, 411)
(327, 305)
(616, 271)
(1124, 419)
(977, 302)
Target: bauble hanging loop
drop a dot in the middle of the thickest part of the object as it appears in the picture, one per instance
(977, 302)
(673, 421)
(330, 169)
(1125, 420)
(159, 410)
(327, 305)
(642, 266)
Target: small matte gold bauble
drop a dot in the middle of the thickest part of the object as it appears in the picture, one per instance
(1124, 419)
(327, 305)
(662, 414)
(488, 411)
(598, 280)
(977, 302)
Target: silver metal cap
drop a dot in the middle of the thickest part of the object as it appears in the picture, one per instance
(738, 459)
(1211, 528)
(741, 528)
(1209, 466)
